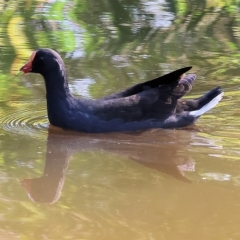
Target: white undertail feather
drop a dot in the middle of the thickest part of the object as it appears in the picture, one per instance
(207, 107)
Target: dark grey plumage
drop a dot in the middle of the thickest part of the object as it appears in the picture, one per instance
(153, 104)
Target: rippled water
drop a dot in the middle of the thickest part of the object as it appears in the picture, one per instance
(156, 184)
(24, 123)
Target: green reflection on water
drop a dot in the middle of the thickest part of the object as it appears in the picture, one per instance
(107, 46)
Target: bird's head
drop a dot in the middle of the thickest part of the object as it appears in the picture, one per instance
(43, 61)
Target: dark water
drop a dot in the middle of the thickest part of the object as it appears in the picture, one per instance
(158, 184)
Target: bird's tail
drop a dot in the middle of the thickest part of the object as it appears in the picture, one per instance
(208, 101)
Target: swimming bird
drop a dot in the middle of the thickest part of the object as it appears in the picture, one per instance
(156, 103)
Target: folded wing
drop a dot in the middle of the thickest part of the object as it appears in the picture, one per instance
(166, 79)
(156, 102)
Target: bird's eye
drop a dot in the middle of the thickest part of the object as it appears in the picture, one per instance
(40, 60)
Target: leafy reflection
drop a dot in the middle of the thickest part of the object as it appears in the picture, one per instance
(137, 27)
(113, 44)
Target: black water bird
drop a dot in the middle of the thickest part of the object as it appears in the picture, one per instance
(152, 104)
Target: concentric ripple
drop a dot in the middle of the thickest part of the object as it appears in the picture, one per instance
(26, 122)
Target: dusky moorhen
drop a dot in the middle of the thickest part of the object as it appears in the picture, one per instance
(152, 104)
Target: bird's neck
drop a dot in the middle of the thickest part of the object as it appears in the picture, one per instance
(56, 85)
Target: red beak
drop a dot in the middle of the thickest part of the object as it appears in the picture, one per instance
(28, 66)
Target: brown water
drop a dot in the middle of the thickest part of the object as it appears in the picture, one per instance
(153, 185)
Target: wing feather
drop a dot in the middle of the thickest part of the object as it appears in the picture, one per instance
(166, 79)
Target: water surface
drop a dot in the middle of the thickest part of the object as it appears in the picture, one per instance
(156, 184)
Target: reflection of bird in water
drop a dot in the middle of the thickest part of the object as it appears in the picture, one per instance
(153, 104)
(163, 150)
(48, 187)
